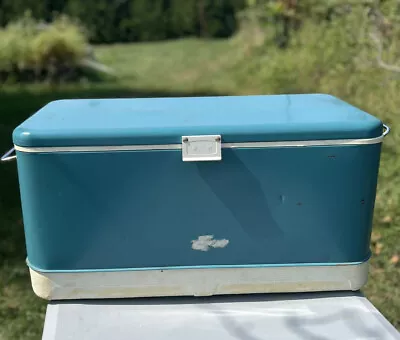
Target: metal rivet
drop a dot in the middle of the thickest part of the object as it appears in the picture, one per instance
(185, 139)
(218, 139)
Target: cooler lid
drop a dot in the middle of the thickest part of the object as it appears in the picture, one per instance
(324, 316)
(155, 121)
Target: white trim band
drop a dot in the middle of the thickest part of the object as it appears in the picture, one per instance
(198, 282)
(50, 149)
(328, 142)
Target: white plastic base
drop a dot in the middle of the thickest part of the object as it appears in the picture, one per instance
(197, 282)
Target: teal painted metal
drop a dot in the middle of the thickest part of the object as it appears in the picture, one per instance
(142, 209)
(165, 120)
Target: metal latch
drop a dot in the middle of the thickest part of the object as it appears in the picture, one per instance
(201, 148)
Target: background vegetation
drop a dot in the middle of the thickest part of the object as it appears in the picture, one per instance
(29, 51)
(346, 48)
(135, 20)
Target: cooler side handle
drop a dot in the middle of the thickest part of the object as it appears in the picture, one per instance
(8, 156)
(387, 130)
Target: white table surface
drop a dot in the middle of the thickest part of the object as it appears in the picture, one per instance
(313, 316)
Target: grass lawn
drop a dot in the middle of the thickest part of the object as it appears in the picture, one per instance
(179, 68)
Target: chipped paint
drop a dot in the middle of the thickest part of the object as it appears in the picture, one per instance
(205, 242)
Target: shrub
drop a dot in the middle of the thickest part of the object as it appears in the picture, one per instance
(348, 54)
(10, 10)
(30, 50)
(217, 18)
(62, 43)
(135, 20)
(15, 45)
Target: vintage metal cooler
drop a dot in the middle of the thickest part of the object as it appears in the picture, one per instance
(197, 196)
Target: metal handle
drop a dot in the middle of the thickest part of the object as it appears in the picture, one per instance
(387, 130)
(8, 155)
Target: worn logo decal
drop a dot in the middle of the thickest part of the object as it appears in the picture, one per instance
(205, 242)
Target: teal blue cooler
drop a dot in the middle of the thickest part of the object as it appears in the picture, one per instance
(197, 196)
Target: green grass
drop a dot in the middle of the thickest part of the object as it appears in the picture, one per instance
(195, 67)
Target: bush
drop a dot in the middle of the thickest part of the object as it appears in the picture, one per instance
(61, 43)
(99, 16)
(181, 17)
(15, 45)
(33, 51)
(332, 56)
(217, 18)
(10, 10)
(135, 20)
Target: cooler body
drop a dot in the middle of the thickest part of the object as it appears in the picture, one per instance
(246, 216)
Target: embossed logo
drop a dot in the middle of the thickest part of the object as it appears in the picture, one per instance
(205, 242)
(201, 148)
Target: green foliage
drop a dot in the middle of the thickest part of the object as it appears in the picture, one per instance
(29, 50)
(218, 17)
(11, 10)
(149, 19)
(181, 17)
(16, 45)
(61, 43)
(135, 20)
(286, 17)
(99, 17)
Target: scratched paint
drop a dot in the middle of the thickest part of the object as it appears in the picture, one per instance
(205, 242)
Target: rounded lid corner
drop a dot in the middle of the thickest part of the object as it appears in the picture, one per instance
(22, 137)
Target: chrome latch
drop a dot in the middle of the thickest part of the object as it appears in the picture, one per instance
(201, 148)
